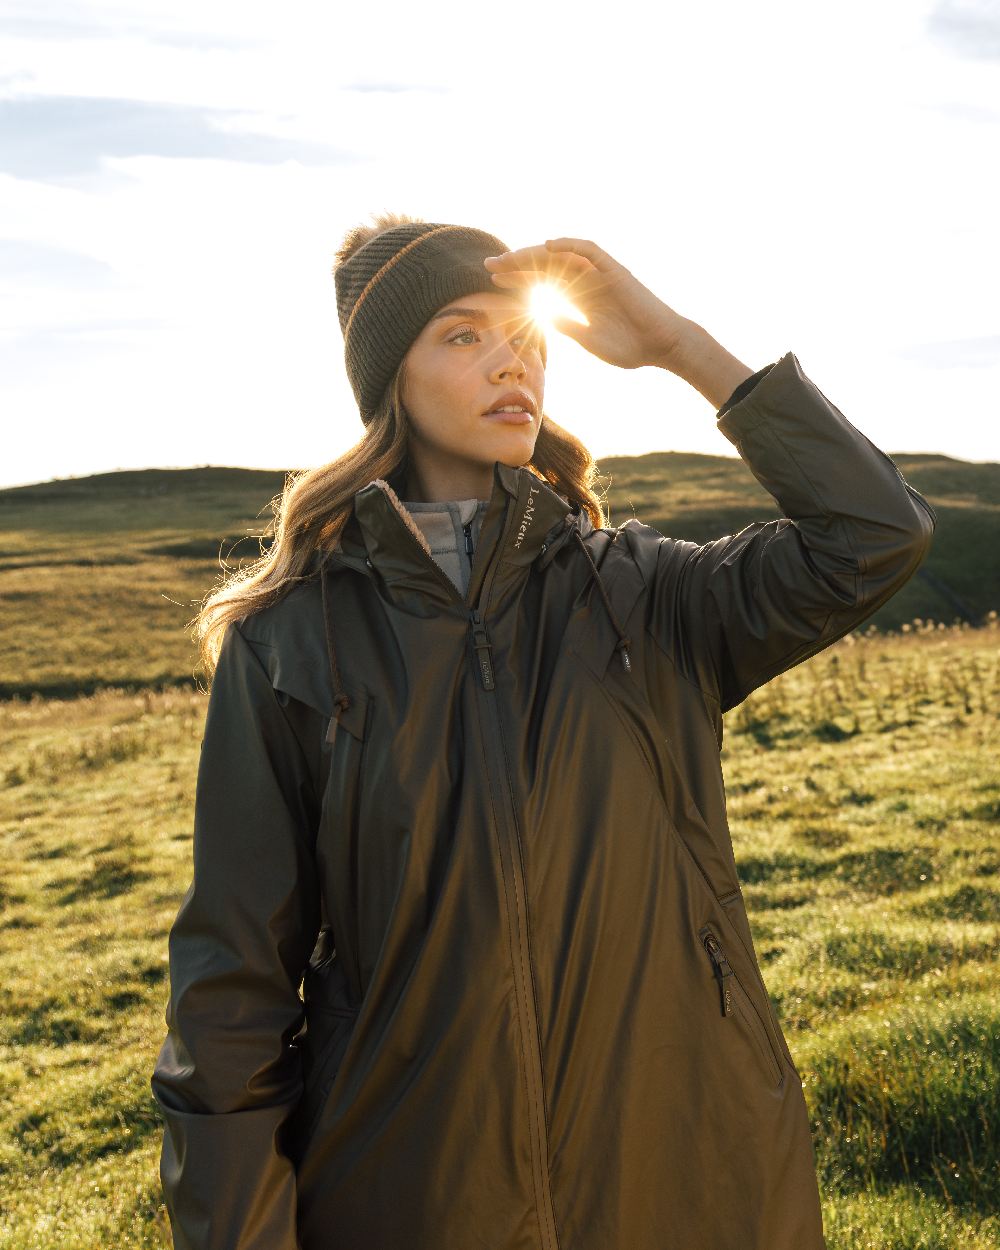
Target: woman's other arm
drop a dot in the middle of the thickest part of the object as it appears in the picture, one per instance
(226, 1078)
(740, 610)
(745, 607)
(704, 363)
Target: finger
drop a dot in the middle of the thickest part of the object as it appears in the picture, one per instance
(518, 279)
(513, 259)
(567, 285)
(573, 286)
(597, 256)
(538, 258)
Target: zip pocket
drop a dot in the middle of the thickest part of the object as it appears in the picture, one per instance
(733, 999)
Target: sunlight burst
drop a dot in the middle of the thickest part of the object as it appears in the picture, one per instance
(547, 302)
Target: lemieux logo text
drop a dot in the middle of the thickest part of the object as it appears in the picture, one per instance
(529, 516)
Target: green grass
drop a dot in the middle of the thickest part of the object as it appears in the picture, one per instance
(95, 811)
(864, 797)
(872, 877)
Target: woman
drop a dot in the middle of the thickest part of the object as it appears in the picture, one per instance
(464, 792)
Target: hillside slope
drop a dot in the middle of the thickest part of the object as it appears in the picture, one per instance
(100, 575)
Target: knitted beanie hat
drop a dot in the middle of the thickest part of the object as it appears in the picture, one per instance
(391, 286)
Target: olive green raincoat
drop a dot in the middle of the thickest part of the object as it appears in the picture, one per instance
(465, 963)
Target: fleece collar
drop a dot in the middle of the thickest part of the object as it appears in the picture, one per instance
(524, 519)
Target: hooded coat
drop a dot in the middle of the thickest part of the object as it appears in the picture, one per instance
(465, 962)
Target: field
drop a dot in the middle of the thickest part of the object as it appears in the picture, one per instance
(864, 798)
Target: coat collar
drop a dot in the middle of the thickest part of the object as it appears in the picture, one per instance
(524, 519)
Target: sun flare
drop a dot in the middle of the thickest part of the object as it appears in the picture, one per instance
(547, 302)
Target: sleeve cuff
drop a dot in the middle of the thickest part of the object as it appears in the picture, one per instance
(744, 389)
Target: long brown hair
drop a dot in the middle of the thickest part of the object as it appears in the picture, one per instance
(316, 503)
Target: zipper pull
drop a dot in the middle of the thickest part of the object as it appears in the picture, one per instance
(722, 971)
(467, 530)
(483, 646)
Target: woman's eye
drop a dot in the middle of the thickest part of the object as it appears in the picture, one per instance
(533, 336)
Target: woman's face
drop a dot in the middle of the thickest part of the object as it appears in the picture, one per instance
(471, 356)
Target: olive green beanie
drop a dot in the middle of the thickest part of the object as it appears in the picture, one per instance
(391, 286)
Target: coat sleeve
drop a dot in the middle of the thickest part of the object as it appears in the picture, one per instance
(744, 388)
(226, 1077)
(741, 609)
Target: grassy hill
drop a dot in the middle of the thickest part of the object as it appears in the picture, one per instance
(101, 574)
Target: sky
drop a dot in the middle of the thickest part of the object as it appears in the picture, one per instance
(175, 180)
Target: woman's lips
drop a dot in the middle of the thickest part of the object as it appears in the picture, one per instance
(509, 418)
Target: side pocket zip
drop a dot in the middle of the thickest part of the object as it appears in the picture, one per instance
(730, 988)
(723, 972)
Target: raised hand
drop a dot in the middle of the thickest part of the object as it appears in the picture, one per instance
(626, 324)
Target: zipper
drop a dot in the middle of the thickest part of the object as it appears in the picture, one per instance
(482, 646)
(730, 991)
(723, 972)
(512, 867)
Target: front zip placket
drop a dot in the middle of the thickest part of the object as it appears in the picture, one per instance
(482, 648)
(512, 868)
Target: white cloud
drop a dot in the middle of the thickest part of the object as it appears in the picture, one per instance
(977, 353)
(968, 27)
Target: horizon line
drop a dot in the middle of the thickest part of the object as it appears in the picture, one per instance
(246, 468)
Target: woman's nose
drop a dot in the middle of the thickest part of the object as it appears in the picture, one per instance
(508, 361)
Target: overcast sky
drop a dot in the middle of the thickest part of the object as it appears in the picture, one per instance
(175, 178)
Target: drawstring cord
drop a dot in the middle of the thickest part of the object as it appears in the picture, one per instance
(341, 699)
(624, 642)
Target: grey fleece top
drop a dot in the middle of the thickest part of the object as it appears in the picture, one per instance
(443, 525)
